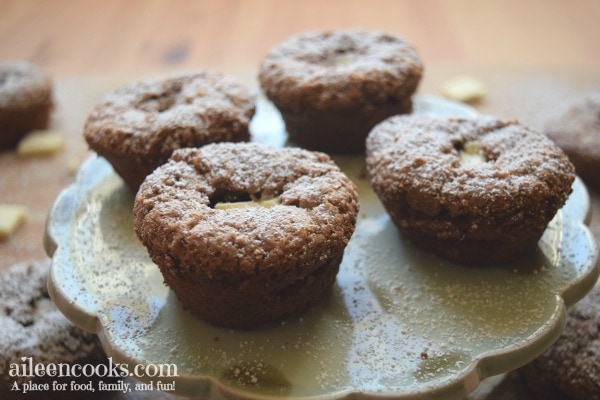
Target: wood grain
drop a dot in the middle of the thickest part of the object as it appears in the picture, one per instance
(69, 37)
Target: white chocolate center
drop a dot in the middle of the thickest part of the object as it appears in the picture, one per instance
(343, 59)
(265, 201)
(471, 155)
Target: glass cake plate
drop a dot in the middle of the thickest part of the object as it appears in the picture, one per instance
(398, 322)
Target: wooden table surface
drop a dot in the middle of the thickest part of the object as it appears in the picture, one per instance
(534, 55)
(70, 37)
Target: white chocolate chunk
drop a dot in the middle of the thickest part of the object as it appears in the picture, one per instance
(343, 59)
(266, 202)
(464, 88)
(41, 142)
(11, 218)
(471, 155)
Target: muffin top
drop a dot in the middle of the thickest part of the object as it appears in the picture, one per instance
(336, 69)
(33, 326)
(153, 117)
(571, 364)
(309, 215)
(576, 130)
(481, 166)
(23, 85)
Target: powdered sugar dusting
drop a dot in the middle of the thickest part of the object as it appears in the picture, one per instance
(169, 112)
(331, 69)
(397, 321)
(33, 327)
(23, 85)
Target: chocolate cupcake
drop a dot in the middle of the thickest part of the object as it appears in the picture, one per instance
(33, 330)
(25, 101)
(332, 87)
(476, 191)
(577, 131)
(137, 127)
(246, 234)
(570, 368)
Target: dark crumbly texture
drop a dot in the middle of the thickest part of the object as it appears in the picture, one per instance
(25, 101)
(577, 131)
(137, 127)
(33, 327)
(332, 87)
(248, 266)
(570, 369)
(487, 213)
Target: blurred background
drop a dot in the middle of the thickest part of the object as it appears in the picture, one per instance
(69, 37)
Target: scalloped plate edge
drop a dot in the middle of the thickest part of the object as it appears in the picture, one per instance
(65, 207)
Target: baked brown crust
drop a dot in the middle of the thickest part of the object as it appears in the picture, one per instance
(332, 87)
(264, 254)
(487, 213)
(577, 131)
(25, 101)
(33, 327)
(137, 127)
(570, 368)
